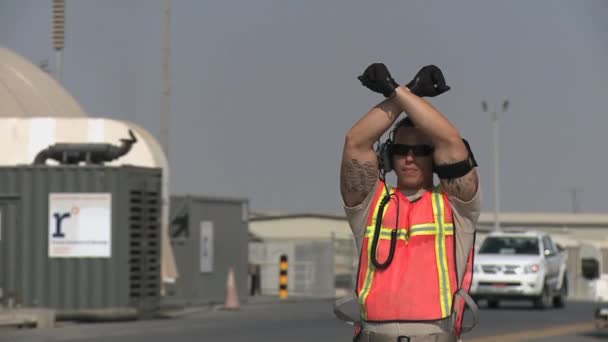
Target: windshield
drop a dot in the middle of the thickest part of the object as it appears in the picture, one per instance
(510, 245)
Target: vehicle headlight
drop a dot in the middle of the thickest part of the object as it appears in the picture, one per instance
(534, 268)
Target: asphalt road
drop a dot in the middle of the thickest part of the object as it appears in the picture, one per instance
(313, 321)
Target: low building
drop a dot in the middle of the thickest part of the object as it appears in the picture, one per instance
(582, 235)
(320, 251)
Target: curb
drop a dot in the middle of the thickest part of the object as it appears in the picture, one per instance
(184, 311)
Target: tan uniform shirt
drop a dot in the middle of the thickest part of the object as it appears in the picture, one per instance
(466, 215)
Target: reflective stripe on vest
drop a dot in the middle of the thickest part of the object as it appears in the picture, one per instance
(370, 267)
(440, 228)
(442, 262)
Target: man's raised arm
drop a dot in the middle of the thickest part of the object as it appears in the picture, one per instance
(359, 169)
(450, 150)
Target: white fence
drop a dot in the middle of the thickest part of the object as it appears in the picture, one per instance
(310, 269)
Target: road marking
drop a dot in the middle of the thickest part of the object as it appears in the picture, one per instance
(530, 335)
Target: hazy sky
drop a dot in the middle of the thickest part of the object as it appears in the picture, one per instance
(264, 91)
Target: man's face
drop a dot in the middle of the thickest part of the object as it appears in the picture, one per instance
(414, 172)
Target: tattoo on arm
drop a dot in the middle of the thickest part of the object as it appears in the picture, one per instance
(357, 180)
(464, 188)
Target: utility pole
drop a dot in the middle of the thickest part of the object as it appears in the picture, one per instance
(495, 117)
(165, 99)
(575, 204)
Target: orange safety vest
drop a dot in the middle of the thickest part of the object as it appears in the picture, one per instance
(420, 282)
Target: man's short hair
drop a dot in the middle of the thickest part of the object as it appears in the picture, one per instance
(403, 123)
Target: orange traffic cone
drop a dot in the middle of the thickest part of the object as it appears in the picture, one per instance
(232, 298)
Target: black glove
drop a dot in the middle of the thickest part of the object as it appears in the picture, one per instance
(377, 79)
(429, 81)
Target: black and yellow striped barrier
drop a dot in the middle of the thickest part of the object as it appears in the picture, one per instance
(283, 277)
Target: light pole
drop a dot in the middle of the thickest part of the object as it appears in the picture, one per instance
(505, 105)
(58, 34)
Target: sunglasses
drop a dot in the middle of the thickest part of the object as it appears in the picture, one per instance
(417, 150)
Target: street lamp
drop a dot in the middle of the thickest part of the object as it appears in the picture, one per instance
(58, 34)
(505, 105)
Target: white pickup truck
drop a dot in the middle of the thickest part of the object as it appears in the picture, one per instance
(520, 265)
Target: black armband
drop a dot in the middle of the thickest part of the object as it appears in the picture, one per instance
(458, 169)
(471, 156)
(455, 170)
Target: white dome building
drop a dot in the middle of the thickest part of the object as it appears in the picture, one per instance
(27, 91)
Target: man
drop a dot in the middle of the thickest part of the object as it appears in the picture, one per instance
(415, 240)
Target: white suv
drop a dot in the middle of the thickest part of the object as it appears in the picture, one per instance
(520, 265)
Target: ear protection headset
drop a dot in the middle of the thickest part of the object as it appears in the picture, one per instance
(385, 164)
(385, 154)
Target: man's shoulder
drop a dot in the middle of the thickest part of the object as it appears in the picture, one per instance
(470, 209)
(357, 215)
